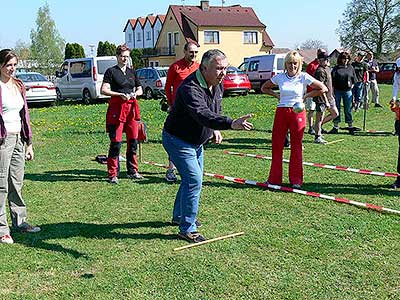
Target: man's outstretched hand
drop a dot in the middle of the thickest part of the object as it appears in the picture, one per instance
(242, 123)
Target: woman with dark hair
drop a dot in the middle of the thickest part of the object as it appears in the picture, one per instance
(15, 132)
(290, 115)
(121, 83)
(343, 79)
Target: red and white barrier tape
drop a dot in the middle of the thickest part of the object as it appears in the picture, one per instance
(339, 168)
(292, 190)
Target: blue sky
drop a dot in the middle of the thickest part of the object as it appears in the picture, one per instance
(289, 22)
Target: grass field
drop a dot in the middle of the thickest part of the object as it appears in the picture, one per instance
(102, 241)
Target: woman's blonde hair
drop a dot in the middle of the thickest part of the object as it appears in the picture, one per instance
(296, 57)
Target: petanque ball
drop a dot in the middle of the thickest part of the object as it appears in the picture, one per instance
(298, 107)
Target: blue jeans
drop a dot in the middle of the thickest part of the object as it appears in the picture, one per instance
(358, 92)
(347, 101)
(188, 159)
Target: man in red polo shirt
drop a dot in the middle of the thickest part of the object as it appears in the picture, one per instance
(177, 72)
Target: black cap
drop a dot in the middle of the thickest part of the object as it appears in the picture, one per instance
(323, 55)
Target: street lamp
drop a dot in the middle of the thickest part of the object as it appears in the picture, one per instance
(91, 50)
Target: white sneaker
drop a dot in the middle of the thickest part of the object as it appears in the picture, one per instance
(6, 239)
(320, 140)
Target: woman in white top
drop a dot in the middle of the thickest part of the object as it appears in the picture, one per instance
(292, 92)
(15, 132)
(395, 92)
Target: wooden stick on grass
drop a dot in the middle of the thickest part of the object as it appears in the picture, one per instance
(209, 241)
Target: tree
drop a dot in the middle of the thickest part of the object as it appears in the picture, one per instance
(74, 50)
(372, 25)
(312, 44)
(106, 49)
(137, 58)
(23, 52)
(47, 45)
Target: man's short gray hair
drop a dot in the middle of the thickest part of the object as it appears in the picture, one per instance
(211, 55)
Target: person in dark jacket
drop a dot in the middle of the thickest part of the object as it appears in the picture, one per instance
(343, 79)
(15, 133)
(194, 118)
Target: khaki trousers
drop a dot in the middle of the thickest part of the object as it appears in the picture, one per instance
(12, 165)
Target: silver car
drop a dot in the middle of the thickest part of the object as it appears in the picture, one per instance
(153, 81)
(38, 87)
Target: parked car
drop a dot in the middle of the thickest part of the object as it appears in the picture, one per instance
(38, 87)
(260, 68)
(81, 78)
(153, 81)
(236, 82)
(386, 72)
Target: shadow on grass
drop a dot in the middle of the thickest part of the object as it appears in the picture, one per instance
(56, 231)
(87, 175)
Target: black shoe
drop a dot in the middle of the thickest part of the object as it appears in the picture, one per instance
(334, 130)
(192, 237)
(323, 131)
(396, 185)
(378, 105)
(311, 131)
(176, 223)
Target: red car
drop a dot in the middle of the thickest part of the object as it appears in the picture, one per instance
(386, 72)
(236, 82)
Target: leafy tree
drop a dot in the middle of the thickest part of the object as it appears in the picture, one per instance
(137, 58)
(312, 44)
(47, 45)
(106, 49)
(372, 25)
(23, 51)
(74, 50)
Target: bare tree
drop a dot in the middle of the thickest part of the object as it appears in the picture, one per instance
(372, 25)
(311, 44)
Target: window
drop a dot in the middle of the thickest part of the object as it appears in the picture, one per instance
(104, 64)
(211, 37)
(250, 37)
(81, 69)
(253, 65)
(138, 36)
(129, 37)
(176, 38)
(148, 35)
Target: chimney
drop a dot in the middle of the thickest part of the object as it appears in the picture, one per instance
(205, 5)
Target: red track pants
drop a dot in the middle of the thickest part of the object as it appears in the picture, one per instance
(286, 118)
(115, 131)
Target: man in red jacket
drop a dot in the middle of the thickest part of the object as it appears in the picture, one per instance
(177, 72)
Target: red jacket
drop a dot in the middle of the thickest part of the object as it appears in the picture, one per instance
(119, 109)
(177, 72)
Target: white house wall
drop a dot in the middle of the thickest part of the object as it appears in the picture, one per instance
(148, 35)
(129, 42)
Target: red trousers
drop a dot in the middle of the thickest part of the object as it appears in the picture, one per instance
(286, 119)
(130, 127)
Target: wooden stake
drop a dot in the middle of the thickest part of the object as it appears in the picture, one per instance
(332, 142)
(209, 241)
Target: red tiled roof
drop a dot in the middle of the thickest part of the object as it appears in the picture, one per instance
(162, 18)
(141, 20)
(151, 19)
(280, 50)
(130, 21)
(229, 16)
(266, 39)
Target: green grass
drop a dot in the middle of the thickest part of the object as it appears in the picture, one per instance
(100, 241)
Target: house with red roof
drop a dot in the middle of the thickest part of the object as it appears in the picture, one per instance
(143, 32)
(235, 30)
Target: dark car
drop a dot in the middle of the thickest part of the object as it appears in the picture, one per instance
(386, 72)
(153, 81)
(236, 82)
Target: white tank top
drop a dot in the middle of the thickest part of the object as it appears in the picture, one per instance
(12, 105)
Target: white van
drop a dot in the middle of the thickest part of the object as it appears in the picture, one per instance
(260, 68)
(81, 78)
